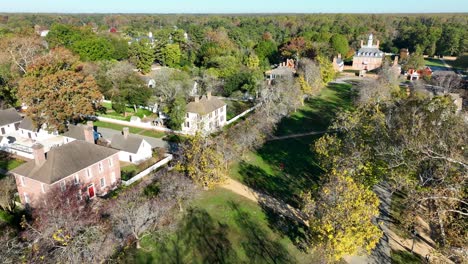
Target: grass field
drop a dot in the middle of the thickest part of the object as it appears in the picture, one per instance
(7, 162)
(284, 168)
(434, 62)
(222, 227)
(133, 130)
(405, 257)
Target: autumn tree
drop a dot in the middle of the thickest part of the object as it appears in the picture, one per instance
(64, 228)
(20, 51)
(7, 193)
(309, 77)
(341, 217)
(449, 80)
(56, 91)
(201, 161)
(326, 69)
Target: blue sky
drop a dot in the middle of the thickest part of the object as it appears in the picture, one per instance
(234, 6)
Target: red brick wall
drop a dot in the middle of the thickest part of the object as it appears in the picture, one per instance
(34, 190)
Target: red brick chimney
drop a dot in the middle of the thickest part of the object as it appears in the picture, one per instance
(88, 133)
(125, 132)
(378, 43)
(38, 153)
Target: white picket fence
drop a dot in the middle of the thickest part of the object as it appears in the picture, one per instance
(144, 173)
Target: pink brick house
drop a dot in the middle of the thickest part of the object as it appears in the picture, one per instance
(94, 169)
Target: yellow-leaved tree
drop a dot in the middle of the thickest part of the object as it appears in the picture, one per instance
(202, 162)
(341, 217)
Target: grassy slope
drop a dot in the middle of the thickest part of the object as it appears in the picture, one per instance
(225, 228)
(133, 130)
(262, 169)
(434, 62)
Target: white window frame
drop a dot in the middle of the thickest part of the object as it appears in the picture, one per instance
(22, 181)
(101, 169)
(80, 195)
(110, 162)
(88, 172)
(102, 182)
(42, 188)
(76, 179)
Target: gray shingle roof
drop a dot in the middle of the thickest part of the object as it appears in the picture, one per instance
(130, 144)
(27, 124)
(64, 161)
(76, 132)
(369, 52)
(9, 116)
(205, 105)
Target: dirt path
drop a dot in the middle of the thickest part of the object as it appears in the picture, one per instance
(266, 200)
(298, 135)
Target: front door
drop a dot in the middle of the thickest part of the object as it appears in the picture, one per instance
(91, 191)
(3, 130)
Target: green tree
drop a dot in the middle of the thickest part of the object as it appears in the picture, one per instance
(267, 49)
(141, 55)
(171, 55)
(177, 113)
(341, 217)
(340, 44)
(415, 61)
(94, 49)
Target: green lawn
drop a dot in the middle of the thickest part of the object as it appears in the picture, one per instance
(133, 130)
(7, 162)
(222, 227)
(130, 111)
(405, 257)
(284, 168)
(434, 62)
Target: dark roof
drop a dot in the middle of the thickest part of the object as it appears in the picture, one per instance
(369, 52)
(129, 144)
(27, 124)
(64, 161)
(76, 132)
(9, 116)
(205, 105)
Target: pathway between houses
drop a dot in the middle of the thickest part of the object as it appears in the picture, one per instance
(266, 200)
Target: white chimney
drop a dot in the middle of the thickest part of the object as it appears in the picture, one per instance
(208, 95)
(38, 153)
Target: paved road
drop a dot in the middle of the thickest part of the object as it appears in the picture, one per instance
(107, 133)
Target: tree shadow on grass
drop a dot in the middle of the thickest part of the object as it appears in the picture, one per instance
(297, 232)
(200, 239)
(318, 113)
(294, 166)
(258, 245)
